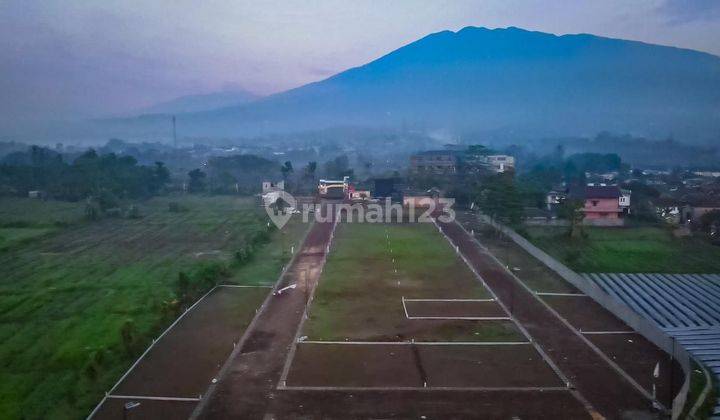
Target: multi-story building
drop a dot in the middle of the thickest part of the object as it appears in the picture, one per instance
(439, 162)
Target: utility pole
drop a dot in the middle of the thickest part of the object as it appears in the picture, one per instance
(174, 133)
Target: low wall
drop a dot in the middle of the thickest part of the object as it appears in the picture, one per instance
(604, 222)
(545, 222)
(645, 327)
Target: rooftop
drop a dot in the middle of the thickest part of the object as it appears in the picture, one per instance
(595, 191)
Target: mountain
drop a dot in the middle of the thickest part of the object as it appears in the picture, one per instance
(503, 82)
(203, 102)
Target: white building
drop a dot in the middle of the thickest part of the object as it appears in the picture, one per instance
(624, 201)
(501, 163)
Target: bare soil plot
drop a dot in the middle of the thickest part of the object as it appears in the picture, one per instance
(184, 361)
(147, 410)
(585, 314)
(358, 365)
(492, 366)
(532, 272)
(459, 309)
(347, 365)
(638, 357)
(435, 404)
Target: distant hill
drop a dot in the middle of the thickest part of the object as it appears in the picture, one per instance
(203, 102)
(504, 82)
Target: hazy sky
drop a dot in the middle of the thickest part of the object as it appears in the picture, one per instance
(89, 58)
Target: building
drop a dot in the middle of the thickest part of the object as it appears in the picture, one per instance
(328, 188)
(437, 162)
(359, 195)
(696, 207)
(669, 209)
(624, 201)
(500, 163)
(601, 203)
(553, 199)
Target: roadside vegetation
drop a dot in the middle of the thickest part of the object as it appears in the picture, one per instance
(648, 249)
(81, 300)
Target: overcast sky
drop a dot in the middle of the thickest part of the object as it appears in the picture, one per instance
(70, 58)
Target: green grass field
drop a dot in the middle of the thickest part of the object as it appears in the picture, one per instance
(628, 250)
(66, 293)
(23, 220)
(39, 213)
(358, 297)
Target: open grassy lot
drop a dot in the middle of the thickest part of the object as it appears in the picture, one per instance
(373, 266)
(32, 212)
(78, 304)
(24, 219)
(628, 250)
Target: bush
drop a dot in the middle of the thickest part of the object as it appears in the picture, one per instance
(189, 287)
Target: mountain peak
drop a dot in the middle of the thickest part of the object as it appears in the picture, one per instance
(509, 80)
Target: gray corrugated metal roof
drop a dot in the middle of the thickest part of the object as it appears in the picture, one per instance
(686, 306)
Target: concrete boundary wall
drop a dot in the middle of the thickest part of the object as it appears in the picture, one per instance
(645, 327)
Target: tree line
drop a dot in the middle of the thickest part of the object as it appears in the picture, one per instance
(88, 175)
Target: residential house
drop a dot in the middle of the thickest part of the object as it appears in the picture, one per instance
(601, 203)
(696, 207)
